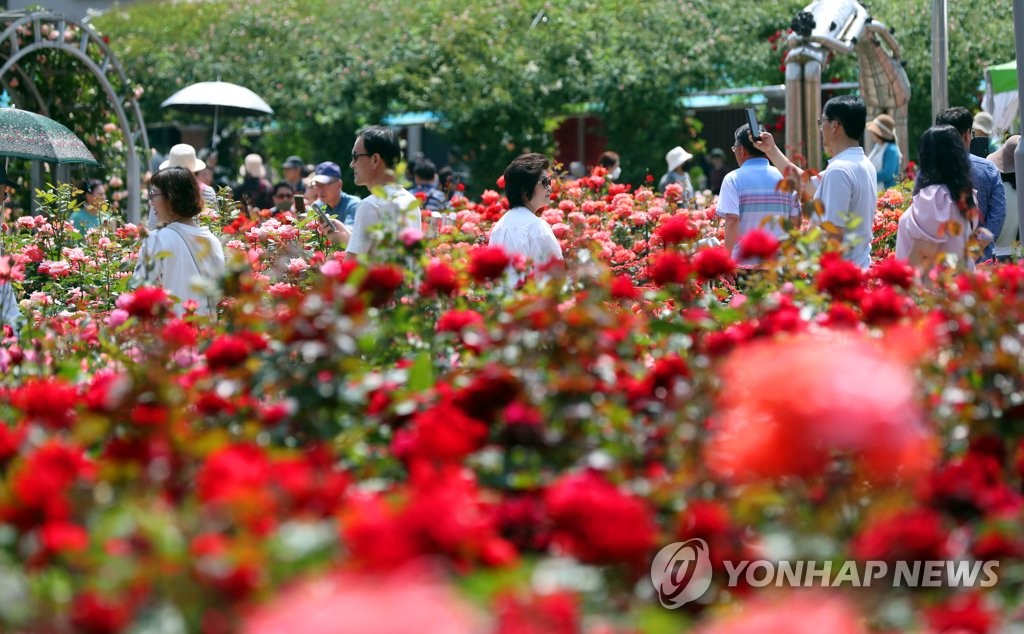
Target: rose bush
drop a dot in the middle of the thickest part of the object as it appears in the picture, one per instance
(526, 451)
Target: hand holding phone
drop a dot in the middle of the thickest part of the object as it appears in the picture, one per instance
(299, 202)
(755, 128)
(325, 220)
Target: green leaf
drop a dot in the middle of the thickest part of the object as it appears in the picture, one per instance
(421, 373)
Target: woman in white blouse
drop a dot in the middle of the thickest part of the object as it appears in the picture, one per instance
(181, 256)
(520, 231)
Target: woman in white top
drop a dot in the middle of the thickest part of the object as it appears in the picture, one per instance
(520, 231)
(943, 217)
(182, 257)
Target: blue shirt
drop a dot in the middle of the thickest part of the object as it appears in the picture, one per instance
(752, 193)
(991, 197)
(345, 211)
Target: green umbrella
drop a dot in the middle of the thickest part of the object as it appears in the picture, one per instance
(32, 136)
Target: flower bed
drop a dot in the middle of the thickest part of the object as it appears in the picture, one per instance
(411, 443)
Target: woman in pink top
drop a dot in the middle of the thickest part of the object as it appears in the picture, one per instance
(943, 217)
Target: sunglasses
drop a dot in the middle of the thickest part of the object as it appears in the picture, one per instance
(356, 155)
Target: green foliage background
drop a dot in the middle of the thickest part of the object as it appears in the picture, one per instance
(330, 66)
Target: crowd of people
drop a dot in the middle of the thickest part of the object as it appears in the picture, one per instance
(966, 183)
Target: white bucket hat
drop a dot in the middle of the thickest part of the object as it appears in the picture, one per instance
(183, 155)
(253, 165)
(676, 157)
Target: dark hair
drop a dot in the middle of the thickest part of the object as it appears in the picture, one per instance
(850, 112)
(181, 189)
(378, 139)
(89, 185)
(608, 160)
(446, 178)
(425, 169)
(283, 184)
(742, 137)
(522, 176)
(958, 117)
(943, 160)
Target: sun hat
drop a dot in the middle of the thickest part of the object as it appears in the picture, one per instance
(293, 161)
(183, 155)
(253, 166)
(1003, 157)
(327, 172)
(676, 157)
(983, 122)
(884, 126)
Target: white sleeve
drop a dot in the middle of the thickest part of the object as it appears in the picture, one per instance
(728, 198)
(367, 217)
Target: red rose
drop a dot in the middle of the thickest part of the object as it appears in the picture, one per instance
(911, 535)
(227, 351)
(712, 263)
(439, 278)
(456, 320)
(676, 230)
(442, 433)
(487, 263)
(962, 613)
(671, 268)
(839, 278)
(93, 614)
(844, 396)
(893, 271)
(758, 244)
(179, 334)
(883, 305)
(381, 282)
(597, 523)
(145, 415)
(146, 301)
(63, 537)
(622, 288)
(49, 401)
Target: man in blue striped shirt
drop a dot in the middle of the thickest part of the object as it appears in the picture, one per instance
(751, 198)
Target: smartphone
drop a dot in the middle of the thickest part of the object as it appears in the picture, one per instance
(755, 129)
(300, 203)
(979, 147)
(319, 209)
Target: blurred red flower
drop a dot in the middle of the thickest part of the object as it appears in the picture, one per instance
(439, 278)
(798, 613)
(227, 351)
(712, 263)
(671, 268)
(487, 263)
(910, 535)
(93, 614)
(597, 523)
(758, 244)
(442, 433)
(48, 401)
(961, 614)
(145, 301)
(839, 278)
(894, 272)
(676, 229)
(839, 395)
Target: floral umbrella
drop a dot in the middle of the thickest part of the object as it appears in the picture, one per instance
(32, 136)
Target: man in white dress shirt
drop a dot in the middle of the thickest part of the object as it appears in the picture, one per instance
(846, 188)
(520, 231)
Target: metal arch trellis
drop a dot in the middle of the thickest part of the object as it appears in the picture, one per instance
(23, 35)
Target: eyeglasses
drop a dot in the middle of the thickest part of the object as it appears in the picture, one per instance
(822, 120)
(546, 182)
(356, 155)
(154, 194)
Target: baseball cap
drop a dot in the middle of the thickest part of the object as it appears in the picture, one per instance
(293, 161)
(327, 172)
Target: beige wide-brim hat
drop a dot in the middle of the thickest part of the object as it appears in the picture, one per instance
(1003, 157)
(183, 155)
(253, 165)
(884, 127)
(676, 157)
(983, 122)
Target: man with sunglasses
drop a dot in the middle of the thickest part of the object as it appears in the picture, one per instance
(846, 188)
(390, 208)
